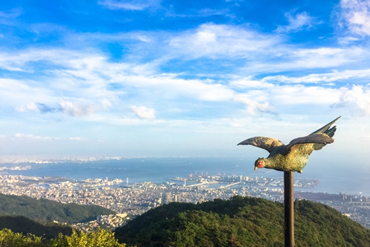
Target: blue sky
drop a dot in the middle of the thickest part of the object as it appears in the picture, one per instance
(181, 78)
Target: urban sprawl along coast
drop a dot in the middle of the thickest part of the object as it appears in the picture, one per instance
(130, 200)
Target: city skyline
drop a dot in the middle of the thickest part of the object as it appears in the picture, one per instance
(157, 78)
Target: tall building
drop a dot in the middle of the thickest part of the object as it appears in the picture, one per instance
(202, 199)
(167, 198)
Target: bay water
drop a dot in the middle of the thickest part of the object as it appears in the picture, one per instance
(333, 178)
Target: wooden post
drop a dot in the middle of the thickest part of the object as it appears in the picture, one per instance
(288, 209)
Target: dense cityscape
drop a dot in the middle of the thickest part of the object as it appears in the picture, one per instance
(130, 200)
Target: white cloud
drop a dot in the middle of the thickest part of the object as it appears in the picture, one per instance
(325, 56)
(167, 85)
(17, 61)
(210, 40)
(356, 99)
(297, 22)
(76, 109)
(201, 13)
(323, 77)
(300, 94)
(32, 106)
(35, 137)
(299, 58)
(11, 13)
(356, 14)
(81, 83)
(253, 106)
(106, 103)
(347, 40)
(129, 4)
(76, 139)
(143, 112)
(8, 17)
(21, 92)
(20, 109)
(248, 82)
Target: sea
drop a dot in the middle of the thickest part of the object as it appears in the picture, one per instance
(334, 178)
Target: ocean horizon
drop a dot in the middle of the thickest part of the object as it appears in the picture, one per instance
(159, 170)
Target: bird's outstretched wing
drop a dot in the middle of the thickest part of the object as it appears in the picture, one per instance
(318, 139)
(263, 142)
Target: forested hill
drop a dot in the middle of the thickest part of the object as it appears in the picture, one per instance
(24, 225)
(241, 221)
(46, 210)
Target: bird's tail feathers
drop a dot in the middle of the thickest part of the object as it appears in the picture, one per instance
(330, 132)
(325, 129)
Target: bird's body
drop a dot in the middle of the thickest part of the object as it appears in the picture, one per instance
(294, 156)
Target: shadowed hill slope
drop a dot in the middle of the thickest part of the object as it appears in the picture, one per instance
(241, 221)
(24, 225)
(47, 210)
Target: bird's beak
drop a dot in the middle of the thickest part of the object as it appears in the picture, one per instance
(255, 168)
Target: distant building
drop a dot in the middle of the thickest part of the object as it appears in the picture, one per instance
(202, 199)
(167, 198)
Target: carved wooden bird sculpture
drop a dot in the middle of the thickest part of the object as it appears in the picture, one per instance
(294, 156)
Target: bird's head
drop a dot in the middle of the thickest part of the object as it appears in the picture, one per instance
(260, 163)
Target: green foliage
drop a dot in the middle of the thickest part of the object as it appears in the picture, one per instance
(9, 238)
(241, 221)
(99, 238)
(46, 210)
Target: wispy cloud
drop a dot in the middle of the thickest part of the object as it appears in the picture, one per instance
(248, 82)
(210, 40)
(356, 16)
(299, 58)
(87, 83)
(297, 22)
(128, 4)
(8, 17)
(35, 137)
(253, 107)
(199, 13)
(13, 13)
(323, 77)
(76, 109)
(143, 112)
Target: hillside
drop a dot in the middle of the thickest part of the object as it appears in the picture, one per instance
(46, 210)
(24, 225)
(241, 221)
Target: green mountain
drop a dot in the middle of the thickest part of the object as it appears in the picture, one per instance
(46, 210)
(24, 225)
(241, 221)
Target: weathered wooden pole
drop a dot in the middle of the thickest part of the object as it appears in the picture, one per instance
(289, 209)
